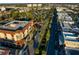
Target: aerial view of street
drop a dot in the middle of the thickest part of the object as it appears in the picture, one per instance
(39, 29)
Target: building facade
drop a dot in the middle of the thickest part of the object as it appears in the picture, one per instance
(16, 30)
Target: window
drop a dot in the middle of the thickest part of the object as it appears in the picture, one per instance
(27, 37)
(29, 29)
(25, 33)
(21, 34)
(9, 36)
(2, 35)
(17, 36)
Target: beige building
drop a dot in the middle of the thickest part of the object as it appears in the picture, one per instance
(16, 30)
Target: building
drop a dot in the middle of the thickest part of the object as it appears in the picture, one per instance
(16, 30)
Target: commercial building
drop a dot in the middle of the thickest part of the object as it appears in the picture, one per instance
(16, 30)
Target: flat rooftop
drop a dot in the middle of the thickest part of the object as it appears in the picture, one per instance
(14, 25)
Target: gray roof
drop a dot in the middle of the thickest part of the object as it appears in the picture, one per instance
(15, 25)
